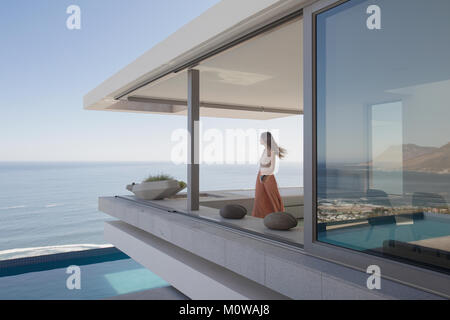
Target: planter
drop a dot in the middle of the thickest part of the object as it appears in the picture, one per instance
(155, 190)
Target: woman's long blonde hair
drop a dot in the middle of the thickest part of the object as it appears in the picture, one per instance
(272, 145)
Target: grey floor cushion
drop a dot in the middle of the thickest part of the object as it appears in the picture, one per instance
(280, 221)
(233, 211)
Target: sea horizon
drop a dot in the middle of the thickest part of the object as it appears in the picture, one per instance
(48, 206)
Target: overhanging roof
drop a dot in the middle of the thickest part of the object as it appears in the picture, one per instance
(263, 73)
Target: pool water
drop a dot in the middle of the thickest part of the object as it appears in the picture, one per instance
(420, 240)
(98, 281)
(368, 237)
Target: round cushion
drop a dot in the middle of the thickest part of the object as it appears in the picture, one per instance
(280, 221)
(233, 211)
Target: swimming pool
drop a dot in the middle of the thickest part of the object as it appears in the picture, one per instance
(103, 274)
(366, 237)
(422, 238)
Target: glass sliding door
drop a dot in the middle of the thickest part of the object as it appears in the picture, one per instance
(382, 129)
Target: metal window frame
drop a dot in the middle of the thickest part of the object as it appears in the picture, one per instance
(408, 274)
(193, 118)
(171, 104)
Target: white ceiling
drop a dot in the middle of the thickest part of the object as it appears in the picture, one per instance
(265, 71)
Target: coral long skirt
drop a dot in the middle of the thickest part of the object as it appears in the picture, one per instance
(267, 197)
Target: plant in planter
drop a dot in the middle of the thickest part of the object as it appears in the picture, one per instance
(157, 187)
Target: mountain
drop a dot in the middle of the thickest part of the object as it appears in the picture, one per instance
(415, 158)
(437, 161)
(412, 151)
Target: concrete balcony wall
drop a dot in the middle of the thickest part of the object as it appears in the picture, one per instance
(286, 270)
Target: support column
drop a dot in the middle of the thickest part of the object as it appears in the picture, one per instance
(193, 174)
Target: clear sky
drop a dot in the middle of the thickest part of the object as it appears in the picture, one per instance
(46, 70)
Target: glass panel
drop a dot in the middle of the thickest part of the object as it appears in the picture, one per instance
(383, 139)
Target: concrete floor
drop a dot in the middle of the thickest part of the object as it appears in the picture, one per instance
(211, 201)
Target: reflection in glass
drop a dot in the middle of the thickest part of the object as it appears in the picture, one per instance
(383, 139)
(387, 146)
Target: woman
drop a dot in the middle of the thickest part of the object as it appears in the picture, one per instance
(267, 196)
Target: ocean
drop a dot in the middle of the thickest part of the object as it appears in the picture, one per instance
(52, 207)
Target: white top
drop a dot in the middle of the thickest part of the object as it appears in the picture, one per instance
(267, 163)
